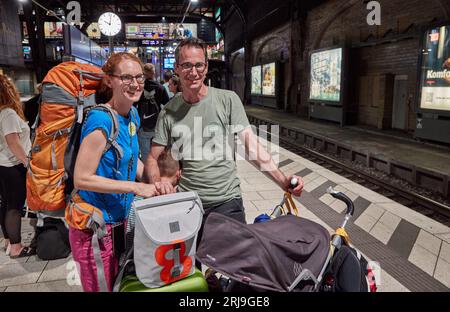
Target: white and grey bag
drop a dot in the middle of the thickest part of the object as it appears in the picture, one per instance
(165, 235)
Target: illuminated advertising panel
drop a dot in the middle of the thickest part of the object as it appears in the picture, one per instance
(146, 31)
(160, 31)
(168, 62)
(189, 31)
(27, 53)
(256, 79)
(24, 30)
(435, 76)
(268, 79)
(93, 31)
(53, 30)
(326, 68)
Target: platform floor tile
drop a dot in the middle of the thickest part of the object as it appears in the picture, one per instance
(429, 242)
(423, 259)
(442, 272)
(53, 286)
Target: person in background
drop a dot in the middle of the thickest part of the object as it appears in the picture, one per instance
(31, 111)
(31, 107)
(101, 181)
(167, 75)
(15, 145)
(149, 106)
(175, 84)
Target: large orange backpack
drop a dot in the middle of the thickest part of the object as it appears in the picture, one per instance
(67, 90)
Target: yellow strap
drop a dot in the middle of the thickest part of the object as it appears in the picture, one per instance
(292, 208)
(342, 233)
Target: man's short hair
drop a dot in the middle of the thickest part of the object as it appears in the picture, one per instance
(191, 42)
(167, 165)
(149, 67)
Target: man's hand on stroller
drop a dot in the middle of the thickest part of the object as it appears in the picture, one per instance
(297, 190)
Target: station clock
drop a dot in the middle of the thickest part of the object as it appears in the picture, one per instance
(109, 24)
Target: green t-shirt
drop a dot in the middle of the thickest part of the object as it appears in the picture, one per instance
(202, 136)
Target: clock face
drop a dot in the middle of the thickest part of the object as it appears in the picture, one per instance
(109, 24)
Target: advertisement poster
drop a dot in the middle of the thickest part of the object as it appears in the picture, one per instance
(24, 30)
(168, 62)
(93, 31)
(53, 30)
(268, 83)
(256, 79)
(326, 67)
(435, 78)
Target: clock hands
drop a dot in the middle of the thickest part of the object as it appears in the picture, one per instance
(110, 23)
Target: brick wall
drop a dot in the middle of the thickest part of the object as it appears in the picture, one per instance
(275, 47)
(376, 51)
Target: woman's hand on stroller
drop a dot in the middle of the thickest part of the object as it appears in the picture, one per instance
(294, 185)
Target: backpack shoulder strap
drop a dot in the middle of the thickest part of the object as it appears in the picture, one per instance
(134, 115)
(112, 140)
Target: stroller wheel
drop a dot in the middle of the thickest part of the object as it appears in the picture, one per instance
(215, 284)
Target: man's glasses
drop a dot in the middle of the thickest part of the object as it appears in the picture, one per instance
(127, 79)
(200, 67)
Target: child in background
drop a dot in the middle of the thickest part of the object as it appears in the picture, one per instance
(169, 168)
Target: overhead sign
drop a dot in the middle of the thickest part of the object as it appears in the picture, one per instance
(152, 42)
(159, 30)
(85, 49)
(79, 44)
(435, 76)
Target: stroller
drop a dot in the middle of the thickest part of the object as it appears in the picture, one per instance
(283, 252)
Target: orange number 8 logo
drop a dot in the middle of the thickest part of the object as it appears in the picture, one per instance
(168, 264)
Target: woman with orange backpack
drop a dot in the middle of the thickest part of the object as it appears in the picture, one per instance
(105, 180)
(14, 146)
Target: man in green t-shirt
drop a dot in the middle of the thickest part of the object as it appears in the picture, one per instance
(200, 124)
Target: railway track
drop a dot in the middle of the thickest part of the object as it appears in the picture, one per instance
(417, 202)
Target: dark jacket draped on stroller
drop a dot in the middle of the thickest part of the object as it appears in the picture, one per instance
(287, 253)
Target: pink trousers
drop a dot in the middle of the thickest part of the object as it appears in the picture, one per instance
(83, 255)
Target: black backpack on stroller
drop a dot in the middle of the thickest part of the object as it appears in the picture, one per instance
(349, 271)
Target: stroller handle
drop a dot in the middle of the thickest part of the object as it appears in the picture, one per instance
(293, 184)
(341, 196)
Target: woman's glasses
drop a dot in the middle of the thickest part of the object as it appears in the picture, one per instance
(127, 79)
